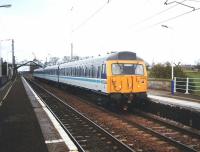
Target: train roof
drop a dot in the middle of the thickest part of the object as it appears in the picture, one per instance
(93, 60)
(39, 69)
(51, 67)
(46, 68)
(123, 55)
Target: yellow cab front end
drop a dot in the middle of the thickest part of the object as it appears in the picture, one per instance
(127, 78)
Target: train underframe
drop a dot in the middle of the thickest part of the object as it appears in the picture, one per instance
(117, 100)
(126, 100)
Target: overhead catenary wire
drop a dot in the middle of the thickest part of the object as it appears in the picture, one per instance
(148, 18)
(194, 0)
(91, 16)
(156, 14)
(180, 3)
(188, 0)
(172, 18)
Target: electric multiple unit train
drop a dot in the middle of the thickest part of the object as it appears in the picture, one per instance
(118, 75)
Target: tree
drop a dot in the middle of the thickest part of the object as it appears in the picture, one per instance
(23, 61)
(53, 61)
(198, 65)
(75, 58)
(164, 71)
(38, 61)
(147, 66)
(66, 59)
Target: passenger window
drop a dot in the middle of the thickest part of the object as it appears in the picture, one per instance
(99, 72)
(93, 72)
(103, 71)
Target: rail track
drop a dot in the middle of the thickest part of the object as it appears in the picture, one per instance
(183, 139)
(164, 135)
(87, 135)
(180, 136)
(186, 139)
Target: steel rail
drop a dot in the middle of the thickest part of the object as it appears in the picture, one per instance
(128, 149)
(178, 144)
(193, 132)
(71, 136)
(181, 146)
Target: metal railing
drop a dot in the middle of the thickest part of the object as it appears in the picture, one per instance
(186, 85)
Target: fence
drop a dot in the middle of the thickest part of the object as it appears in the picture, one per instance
(3, 80)
(186, 85)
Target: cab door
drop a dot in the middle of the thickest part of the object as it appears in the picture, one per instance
(139, 84)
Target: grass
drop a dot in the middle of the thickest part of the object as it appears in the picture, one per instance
(159, 79)
(189, 74)
(194, 74)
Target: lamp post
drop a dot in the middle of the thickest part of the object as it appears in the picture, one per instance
(172, 74)
(6, 6)
(172, 66)
(172, 63)
(71, 34)
(13, 54)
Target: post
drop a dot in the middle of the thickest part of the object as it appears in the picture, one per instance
(187, 84)
(71, 51)
(13, 57)
(1, 62)
(172, 87)
(172, 71)
(174, 84)
(172, 80)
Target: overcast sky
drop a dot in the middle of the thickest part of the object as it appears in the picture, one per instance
(47, 27)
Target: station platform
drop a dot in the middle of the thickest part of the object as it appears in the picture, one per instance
(26, 125)
(187, 101)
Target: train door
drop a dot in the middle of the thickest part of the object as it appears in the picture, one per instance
(58, 73)
(140, 79)
(103, 83)
(99, 72)
(103, 71)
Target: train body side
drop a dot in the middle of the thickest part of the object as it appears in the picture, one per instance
(49, 73)
(89, 74)
(119, 75)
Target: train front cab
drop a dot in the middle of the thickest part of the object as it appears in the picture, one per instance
(126, 79)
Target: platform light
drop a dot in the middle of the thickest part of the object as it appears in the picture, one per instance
(6, 6)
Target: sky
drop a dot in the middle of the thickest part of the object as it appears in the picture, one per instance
(46, 28)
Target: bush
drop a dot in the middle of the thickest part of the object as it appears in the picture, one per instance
(164, 71)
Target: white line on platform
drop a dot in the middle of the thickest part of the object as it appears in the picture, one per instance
(172, 101)
(8, 91)
(2, 88)
(54, 141)
(63, 134)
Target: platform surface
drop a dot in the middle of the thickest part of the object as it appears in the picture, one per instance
(187, 101)
(19, 128)
(55, 137)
